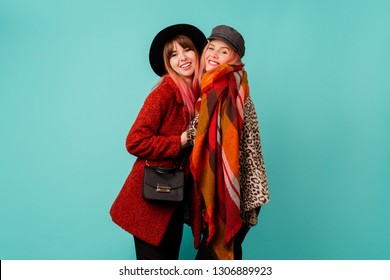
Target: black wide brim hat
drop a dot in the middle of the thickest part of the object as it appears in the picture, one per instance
(156, 58)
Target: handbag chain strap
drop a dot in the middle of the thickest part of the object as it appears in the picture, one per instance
(180, 167)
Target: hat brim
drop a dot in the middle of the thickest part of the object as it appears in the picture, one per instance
(156, 51)
(223, 39)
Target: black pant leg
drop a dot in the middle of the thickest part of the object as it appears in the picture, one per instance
(239, 239)
(169, 247)
(204, 252)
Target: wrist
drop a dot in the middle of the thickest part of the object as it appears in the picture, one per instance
(184, 139)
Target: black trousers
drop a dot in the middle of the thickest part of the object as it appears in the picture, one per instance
(206, 253)
(169, 247)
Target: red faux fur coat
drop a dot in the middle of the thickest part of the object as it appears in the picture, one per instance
(154, 136)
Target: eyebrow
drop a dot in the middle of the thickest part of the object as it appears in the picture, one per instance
(211, 44)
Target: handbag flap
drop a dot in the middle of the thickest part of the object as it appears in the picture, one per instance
(164, 184)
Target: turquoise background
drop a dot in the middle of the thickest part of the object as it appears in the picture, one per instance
(74, 74)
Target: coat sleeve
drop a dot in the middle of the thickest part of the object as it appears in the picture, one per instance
(253, 177)
(145, 139)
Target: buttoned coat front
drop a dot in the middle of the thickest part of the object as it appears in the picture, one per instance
(155, 137)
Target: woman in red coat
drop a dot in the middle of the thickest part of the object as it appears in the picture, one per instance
(156, 137)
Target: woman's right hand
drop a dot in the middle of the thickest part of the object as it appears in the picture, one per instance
(184, 140)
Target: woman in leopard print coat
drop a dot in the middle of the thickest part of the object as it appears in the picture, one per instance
(225, 45)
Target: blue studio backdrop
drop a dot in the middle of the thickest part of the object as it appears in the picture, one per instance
(74, 74)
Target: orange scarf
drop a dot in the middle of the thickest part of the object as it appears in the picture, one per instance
(215, 157)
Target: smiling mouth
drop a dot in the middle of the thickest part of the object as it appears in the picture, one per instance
(213, 63)
(186, 65)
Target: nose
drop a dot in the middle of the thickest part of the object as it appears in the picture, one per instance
(213, 53)
(182, 56)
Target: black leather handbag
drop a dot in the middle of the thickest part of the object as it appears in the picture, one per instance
(163, 183)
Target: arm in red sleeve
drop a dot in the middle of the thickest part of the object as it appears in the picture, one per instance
(155, 133)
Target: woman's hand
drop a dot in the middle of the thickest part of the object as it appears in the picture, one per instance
(184, 140)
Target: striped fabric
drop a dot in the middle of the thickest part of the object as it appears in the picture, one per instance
(215, 156)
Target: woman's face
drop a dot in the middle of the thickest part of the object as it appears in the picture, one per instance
(183, 60)
(217, 53)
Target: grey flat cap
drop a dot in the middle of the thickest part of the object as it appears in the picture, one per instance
(230, 36)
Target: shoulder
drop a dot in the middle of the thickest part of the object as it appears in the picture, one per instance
(250, 121)
(166, 90)
(249, 107)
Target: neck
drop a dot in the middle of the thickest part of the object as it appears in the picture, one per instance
(188, 81)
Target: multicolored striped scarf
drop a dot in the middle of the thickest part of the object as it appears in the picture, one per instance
(215, 157)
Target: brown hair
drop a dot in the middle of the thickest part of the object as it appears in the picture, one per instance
(189, 94)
